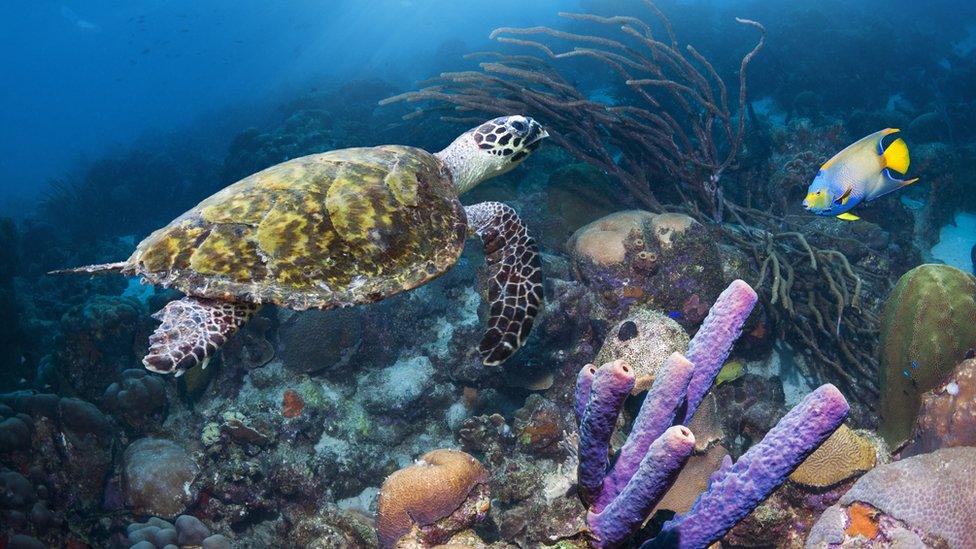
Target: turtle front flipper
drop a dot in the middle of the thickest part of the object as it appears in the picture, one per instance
(192, 330)
(515, 278)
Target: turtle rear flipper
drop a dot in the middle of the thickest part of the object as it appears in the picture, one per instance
(192, 330)
(515, 278)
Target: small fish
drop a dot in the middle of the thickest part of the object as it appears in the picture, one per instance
(914, 364)
(675, 315)
(862, 172)
(907, 373)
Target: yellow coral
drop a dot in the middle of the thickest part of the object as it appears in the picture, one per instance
(844, 455)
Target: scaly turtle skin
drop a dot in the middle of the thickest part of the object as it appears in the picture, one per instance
(337, 229)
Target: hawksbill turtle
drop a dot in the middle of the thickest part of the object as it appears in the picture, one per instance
(337, 229)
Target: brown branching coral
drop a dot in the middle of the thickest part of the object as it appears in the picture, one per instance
(674, 123)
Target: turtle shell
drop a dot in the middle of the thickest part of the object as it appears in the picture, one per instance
(326, 230)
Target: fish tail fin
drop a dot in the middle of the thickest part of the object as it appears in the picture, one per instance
(896, 156)
(104, 268)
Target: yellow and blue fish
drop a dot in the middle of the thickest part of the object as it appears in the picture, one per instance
(862, 172)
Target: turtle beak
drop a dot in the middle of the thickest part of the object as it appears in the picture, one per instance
(535, 134)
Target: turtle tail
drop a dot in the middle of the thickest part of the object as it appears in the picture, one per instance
(103, 268)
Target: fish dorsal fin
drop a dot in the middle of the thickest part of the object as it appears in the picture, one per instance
(868, 141)
(848, 217)
(896, 156)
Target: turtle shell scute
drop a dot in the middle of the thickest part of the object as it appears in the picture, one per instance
(326, 230)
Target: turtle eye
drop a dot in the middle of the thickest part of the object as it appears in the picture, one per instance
(518, 125)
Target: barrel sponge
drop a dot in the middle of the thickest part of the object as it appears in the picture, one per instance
(929, 323)
(927, 498)
(432, 488)
(846, 454)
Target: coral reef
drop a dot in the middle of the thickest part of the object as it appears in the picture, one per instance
(102, 337)
(845, 454)
(947, 417)
(641, 136)
(736, 489)
(648, 463)
(925, 500)
(929, 323)
(138, 400)
(643, 340)
(668, 261)
(186, 531)
(787, 515)
(59, 455)
(673, 178)
(443, 493)
(158, 476)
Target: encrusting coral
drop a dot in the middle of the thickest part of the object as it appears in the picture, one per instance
(947, 417)
(444, 492)
(656, 450)
(668, 261)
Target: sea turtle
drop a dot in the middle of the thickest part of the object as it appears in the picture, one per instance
(337, 229)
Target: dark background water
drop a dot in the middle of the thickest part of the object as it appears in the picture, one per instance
(83, 79)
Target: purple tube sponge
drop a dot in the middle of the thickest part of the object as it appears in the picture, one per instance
(611, 385)
(655, 416)
(712, 344)
(735, 490)
(655, 451)
(584, 381)
(658, 469)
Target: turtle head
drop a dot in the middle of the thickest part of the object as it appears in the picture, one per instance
(491, 149)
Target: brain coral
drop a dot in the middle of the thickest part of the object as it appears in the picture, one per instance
(433, 488)
(844, 455)
(158, 476)
(925, 500)
(929, 323)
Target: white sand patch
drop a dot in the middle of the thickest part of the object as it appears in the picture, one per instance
(956, 242)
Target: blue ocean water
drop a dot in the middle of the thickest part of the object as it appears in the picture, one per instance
(354, 273)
